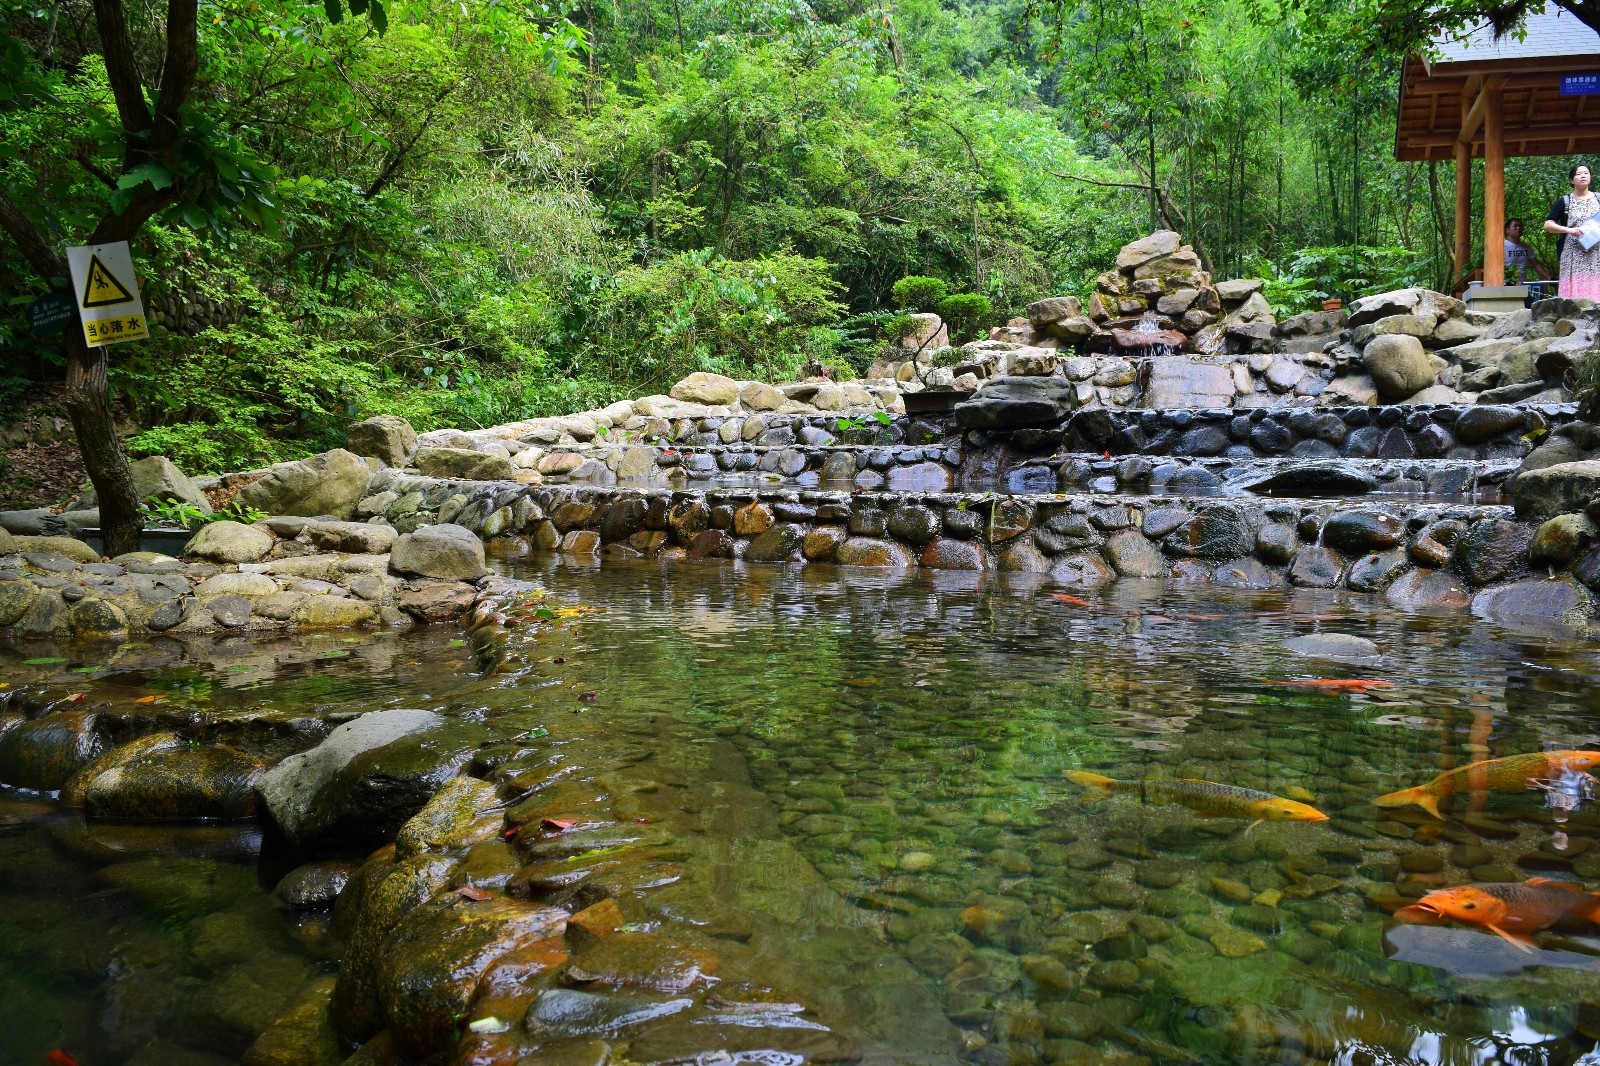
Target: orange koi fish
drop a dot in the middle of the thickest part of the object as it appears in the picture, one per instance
(1064, 598)
(1510, 911)
(1208, 799)
(1333, 684)
(57, 1057)
(1510, 774)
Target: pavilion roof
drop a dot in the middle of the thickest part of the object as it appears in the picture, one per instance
(1539, 120)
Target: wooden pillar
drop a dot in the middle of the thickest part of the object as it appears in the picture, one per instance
(1463, 211)
(1494, 185)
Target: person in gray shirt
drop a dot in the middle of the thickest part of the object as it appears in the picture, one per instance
(1521, 261)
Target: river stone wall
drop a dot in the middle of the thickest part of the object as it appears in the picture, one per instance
(1421, 556)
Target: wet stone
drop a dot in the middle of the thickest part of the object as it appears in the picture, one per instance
(569, 1012)
(315, 885)
(1358, 532)
(1493, 548)
(1372, 573)
(212, 782)
(646, 961)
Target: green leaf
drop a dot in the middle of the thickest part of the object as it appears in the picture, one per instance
(48, 660)
(157, 175)
(194, 216)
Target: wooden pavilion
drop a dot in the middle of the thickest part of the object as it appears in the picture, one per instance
(1479, 97)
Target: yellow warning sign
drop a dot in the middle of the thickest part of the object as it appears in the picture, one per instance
(108, 294)
(102, 289)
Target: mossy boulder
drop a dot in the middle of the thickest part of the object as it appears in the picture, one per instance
(430, 965)
(214, 783)
(44, 753)
(463, 812)
(72, 793)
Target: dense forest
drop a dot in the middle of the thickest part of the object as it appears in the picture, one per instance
(467, 211)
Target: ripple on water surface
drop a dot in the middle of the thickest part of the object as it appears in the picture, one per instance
(910, 733)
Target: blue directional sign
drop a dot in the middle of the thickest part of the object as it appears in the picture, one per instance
(1580, 85)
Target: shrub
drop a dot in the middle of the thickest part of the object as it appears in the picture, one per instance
(965, 313)
(918, 293)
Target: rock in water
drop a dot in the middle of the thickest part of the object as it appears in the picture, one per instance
(442, 551)
(217, 782)
(291, 789)
(430, 964)
(44, 753)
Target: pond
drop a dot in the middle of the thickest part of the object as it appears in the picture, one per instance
(907, 735)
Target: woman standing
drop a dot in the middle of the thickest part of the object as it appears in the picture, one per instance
(1579, 267)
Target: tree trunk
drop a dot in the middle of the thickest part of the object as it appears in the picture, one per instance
(88, 402)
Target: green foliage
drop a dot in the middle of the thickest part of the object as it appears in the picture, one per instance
(965, 313)
(188, 516)
(697, 311)
(918, 293)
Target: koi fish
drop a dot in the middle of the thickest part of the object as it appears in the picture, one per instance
(1064, 598)
(1510, 774)
(1333, 684)
(1208, 799)
(57, 1057)
(1510, 911)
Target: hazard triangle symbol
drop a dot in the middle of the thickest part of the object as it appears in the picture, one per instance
(102, 289)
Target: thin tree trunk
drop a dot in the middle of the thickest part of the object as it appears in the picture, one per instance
(88, 402)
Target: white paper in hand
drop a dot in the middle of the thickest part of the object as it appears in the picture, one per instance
(1589, 233)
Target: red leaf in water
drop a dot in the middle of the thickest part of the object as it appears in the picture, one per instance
(76, 697)
(557, 825)
(145, 699)
(509, 833)
(558, 660)
(472, 893)
(57, 1057)
(589, 697)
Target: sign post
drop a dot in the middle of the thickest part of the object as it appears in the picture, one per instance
(1580, 85)
(107, 293)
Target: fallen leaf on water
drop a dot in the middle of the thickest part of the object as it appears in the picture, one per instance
(472, 893)
(57, 1057)
(589, 697)
(510, 833)
(46, 660)
(557, 825)
(490, 1024)
(1333, 684)
(76, 697)
(334, 653)
(146, 699)
(558, 660)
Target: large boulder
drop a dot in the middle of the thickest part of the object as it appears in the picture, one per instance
(230, 542)
(386, 437)
(442, 551)
(213, 783)
(701, 387)
(1017, 401)
(463, 463)
(362, 783)
(1560, 489)
(156, 477)
(44, 753)
(1147, 249)
(1398, 364)
(328, 484)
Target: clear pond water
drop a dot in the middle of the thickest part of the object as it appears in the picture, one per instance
(907, 734)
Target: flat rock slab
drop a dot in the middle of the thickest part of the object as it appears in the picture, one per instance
(1336, 646)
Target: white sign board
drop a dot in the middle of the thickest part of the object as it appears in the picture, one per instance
(107, 294)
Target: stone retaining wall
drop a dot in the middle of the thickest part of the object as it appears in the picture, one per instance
(1436, 556)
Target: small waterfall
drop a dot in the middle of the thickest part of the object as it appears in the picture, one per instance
(1149, 322)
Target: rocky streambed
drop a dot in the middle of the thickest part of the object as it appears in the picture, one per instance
(762, 814)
